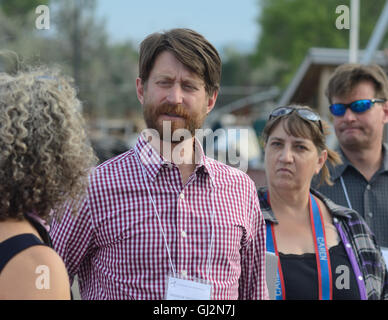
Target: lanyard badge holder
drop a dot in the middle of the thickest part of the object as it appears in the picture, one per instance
(179, 287)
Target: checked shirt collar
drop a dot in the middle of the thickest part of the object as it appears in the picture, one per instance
(153, 161)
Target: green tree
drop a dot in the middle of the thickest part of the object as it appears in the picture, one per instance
(77, 43)
(18, 31)
(104, 73)
(235, 68)
(290, 27)
(20, 8)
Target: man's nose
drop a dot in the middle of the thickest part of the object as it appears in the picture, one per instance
(175, 94)
(349, 115)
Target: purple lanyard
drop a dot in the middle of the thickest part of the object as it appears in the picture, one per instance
(353, 260)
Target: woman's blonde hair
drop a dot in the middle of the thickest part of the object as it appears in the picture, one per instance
(297, 126)
(45, 155)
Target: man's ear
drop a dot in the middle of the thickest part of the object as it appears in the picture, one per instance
(140, 90)
(212, 101)
(385, 110)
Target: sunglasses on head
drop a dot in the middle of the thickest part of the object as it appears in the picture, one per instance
(304, 113)
(359, 106)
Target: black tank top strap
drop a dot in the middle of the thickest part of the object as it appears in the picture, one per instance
(14, 245)
(43, 233)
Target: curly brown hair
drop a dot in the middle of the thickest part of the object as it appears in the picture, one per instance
(45, 155)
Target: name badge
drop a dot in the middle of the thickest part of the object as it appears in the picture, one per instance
(183, 289)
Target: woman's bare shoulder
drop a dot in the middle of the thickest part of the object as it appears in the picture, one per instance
(35, 273)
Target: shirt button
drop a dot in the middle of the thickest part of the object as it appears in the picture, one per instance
(184, 273)
(182, 196)
(183, 234)
(335, 220)
(348, 245)
(370, 214)
(368, 187)
(360, 278)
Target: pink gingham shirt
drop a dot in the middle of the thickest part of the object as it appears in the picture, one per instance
(116, 247)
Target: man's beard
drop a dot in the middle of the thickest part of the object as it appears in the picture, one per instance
(189, 122)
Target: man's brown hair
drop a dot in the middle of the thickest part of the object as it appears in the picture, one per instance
(347, 76)
(190, 48)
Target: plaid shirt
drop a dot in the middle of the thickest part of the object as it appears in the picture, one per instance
(116, 246)
(368, 198)
(363, 242)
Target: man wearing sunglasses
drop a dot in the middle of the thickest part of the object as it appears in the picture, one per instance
(358, 102)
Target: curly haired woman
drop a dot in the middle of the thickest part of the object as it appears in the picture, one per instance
(45, 158)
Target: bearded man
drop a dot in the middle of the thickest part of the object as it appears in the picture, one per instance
(163, 220)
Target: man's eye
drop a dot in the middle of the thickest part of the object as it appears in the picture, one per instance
(189, 87)
(163, 82)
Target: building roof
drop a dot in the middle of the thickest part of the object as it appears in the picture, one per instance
(307, 76)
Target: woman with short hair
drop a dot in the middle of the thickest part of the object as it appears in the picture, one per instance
(325, 251)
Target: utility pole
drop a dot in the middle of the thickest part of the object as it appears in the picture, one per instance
(377, 35)
(354, 30)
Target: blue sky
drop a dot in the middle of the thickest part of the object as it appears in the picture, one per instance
(222, 22)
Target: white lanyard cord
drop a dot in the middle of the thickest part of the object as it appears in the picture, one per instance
(346, 192)
(161, 228)
(157, 215)
(209, 255)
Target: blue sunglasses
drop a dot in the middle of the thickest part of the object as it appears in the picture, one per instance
(359, 106)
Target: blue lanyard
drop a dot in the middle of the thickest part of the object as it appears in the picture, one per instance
(325, 286)
(271, 247)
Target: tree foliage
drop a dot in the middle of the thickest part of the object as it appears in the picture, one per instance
(20, 8)
(290, 27)
(105, 73)
(78, 43)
